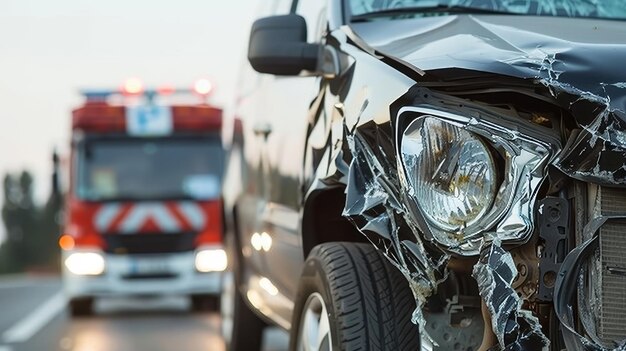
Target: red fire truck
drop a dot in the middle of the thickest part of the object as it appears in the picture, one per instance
(143, 213)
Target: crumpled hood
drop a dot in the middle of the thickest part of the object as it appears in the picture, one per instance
(587, 54)
(581, 61)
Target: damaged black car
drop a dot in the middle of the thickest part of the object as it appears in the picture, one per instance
(429, 175)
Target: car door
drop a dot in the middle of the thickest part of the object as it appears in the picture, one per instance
(283, 125)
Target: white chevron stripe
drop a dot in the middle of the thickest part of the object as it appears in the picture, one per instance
(140, 213)
(105, 216)
(193, 213)
(134, 219)
(165, 219)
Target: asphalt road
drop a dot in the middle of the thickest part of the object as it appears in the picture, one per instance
(33, 317)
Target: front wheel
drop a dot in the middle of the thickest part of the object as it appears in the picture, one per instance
(351, 298)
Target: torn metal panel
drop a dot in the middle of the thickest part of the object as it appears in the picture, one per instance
(515, 328)
(597, 161)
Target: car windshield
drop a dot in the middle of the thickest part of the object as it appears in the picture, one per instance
(146, 169)
(609, 9)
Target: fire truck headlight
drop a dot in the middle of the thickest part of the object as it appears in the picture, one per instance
(211, 260)
(85, 263)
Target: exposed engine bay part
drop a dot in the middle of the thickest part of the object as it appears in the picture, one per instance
(553, 231)
(454, 315)
(526, 262)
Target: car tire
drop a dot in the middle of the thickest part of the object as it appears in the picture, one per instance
(367, 301)
(205, 303)
(81, 307)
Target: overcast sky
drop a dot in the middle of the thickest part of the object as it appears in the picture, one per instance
(50, 49)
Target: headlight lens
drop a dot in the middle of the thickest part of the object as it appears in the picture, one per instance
(451, 172)
(211, 260)
(85, 263)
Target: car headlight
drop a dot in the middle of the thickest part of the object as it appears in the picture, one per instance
(211, 260)
(85, 263)
(446, 164)
(451, 171)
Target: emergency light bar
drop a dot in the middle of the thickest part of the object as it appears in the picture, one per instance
(99, 115)
(134, 88)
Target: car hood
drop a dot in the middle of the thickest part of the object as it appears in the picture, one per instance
(584, 54)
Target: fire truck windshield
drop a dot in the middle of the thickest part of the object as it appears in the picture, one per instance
(148, 169)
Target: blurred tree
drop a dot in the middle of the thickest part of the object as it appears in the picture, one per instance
(27, 219)
(31, 232)
(11, 252)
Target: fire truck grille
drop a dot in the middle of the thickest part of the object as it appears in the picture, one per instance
(149, 243)
(612, 307)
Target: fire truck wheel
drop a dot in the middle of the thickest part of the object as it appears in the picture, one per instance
(203, 303)
(81, 307)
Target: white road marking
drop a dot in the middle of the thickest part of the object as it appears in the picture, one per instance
(24, 281)
(32, 323)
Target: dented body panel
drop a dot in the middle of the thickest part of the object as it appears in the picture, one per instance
(546, 96)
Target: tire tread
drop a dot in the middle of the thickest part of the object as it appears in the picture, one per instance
(371, 298)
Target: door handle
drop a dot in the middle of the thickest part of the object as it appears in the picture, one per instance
(262, 128)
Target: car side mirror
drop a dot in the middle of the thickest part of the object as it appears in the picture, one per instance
(278, 45)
